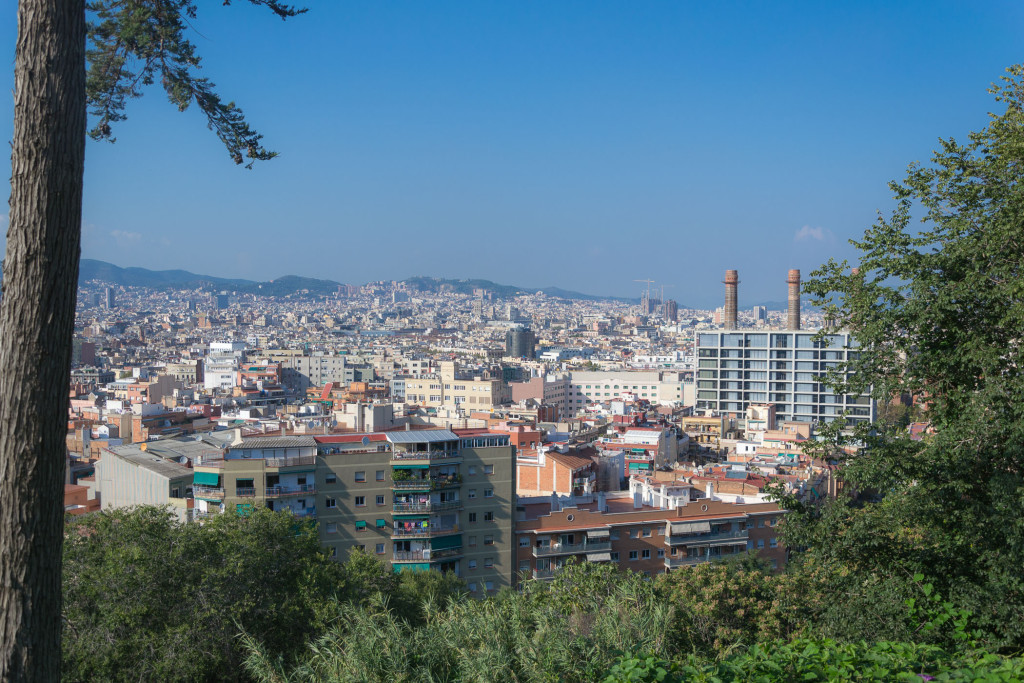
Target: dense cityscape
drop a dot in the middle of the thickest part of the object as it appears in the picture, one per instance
(596, 428)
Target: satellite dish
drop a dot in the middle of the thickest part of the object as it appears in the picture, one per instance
(366, 441)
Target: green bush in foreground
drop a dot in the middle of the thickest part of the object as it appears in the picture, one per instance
(807, 660)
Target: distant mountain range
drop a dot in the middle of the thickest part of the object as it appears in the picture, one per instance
(91, 269)
(436, 284)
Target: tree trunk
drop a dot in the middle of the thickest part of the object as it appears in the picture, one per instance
(36, 324)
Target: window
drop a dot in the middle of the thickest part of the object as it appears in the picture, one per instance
(633, 554)
(332, 527)
(661, 531)
(472, 588)
(615, 556)
(760, 524)
(488, 562)
(488, 516)
(361, 525)
(488, 493)
(380, 475)
(360, 501)
(334, 552)
(489, 585)
(472, 493)
(379, 549)
(524, 541)
(773, 543)
(760, 543)
(472, 517)
(647, 532)
(645, 554)
(489, 540)
(634, 533)
(614, 535)
(360, 476)
(472, 469)
(488, 469)
(472, 541)
(472, 564)
(661, 553)
(331, 478)
(382, 523)
(330, 503)
(380, 500)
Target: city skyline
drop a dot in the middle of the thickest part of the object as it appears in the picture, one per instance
(528, 145)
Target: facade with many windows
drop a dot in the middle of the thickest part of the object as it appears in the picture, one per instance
(422, 499)
(784, 368)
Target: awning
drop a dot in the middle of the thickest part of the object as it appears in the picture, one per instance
(382, 523)
(686, 528)
(360, 524)
(446, 542)
(599, 533)
(402, 466)
(206, 478)
(599, 557)
(418, 567)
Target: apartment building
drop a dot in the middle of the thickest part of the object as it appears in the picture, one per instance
(785, 368)
(644, 448)
(422, 499)
(278, 472)
(219, 372)
(677, 531)
(299, 372)
(551, 390)
(463, 390)
(599, 387)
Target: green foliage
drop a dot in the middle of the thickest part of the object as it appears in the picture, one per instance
(133, 43)
(810, 660)
(938, 309)
(546, 632)
(721, 608)
(149, 598)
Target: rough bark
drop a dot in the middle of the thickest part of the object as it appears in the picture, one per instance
(36, 324)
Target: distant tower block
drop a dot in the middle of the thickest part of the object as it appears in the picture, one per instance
(732, 280)
(793, 317)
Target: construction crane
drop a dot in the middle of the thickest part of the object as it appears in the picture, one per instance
(649, 283)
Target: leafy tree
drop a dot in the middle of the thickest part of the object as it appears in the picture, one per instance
(132, 44)
(720, 608)
(149, 598)
(938, 310)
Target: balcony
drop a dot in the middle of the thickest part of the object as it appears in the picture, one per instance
(571, 548)
(294, 461)
(284, 491)
(428, 555)
(424, 532)
(723, 538)
(305, 514)
(424, 455)
(543, 573)
(245, 492)
(427, 484)
(208, 492)
(426, 507)
(675, 562)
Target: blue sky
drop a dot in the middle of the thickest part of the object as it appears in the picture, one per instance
(576, 144)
